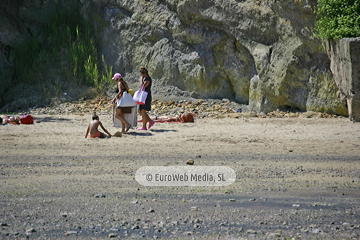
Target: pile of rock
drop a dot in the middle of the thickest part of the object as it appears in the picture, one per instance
(201, 107)
(101, 106)
(308, 114)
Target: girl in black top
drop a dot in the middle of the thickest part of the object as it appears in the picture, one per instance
(147, 81)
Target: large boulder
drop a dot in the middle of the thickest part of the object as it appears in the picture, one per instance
(260, 53)
(345, 65)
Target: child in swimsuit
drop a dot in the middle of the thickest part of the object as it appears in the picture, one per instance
(93, 129)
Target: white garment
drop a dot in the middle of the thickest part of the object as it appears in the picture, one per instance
(131, 118)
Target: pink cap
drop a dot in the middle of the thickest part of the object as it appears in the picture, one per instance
(117, 75)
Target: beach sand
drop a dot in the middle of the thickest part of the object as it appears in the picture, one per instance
(295, 178)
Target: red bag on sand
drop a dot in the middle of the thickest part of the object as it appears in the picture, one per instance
(26, 119)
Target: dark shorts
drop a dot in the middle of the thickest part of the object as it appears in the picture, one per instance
(147, 105)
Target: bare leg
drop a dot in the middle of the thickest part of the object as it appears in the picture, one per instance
(145, 117)
(119, 115)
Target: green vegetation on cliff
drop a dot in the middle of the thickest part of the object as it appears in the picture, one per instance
(338, 19)
(64, 40)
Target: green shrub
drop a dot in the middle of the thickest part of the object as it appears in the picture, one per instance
(337, 19)
(106, 77)
(64, 37)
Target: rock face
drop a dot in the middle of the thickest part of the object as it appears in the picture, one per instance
(345, 65)
(260, 53)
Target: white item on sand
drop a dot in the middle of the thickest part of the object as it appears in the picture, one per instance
(131, 118)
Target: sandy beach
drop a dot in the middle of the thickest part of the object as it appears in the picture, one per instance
(296, 178)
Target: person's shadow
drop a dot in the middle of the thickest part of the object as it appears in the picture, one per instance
(139, 133)
(162, 130)
(50, 119)
(149, 132)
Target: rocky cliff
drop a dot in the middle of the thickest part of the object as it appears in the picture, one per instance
(256, 52)
(260, 53)
(345, 65)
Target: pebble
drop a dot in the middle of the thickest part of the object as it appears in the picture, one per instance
(197, 220)
(65, 214)
(228, 191)
(70, 233)
(30, 230)
(112, 235)
(100, 195)
(190, 162)
(194, 208)
(188, 233)
(175, 223)
(250, 231)
(273, 235)
(135, 227)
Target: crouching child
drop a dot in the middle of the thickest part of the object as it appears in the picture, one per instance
(93, 129)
